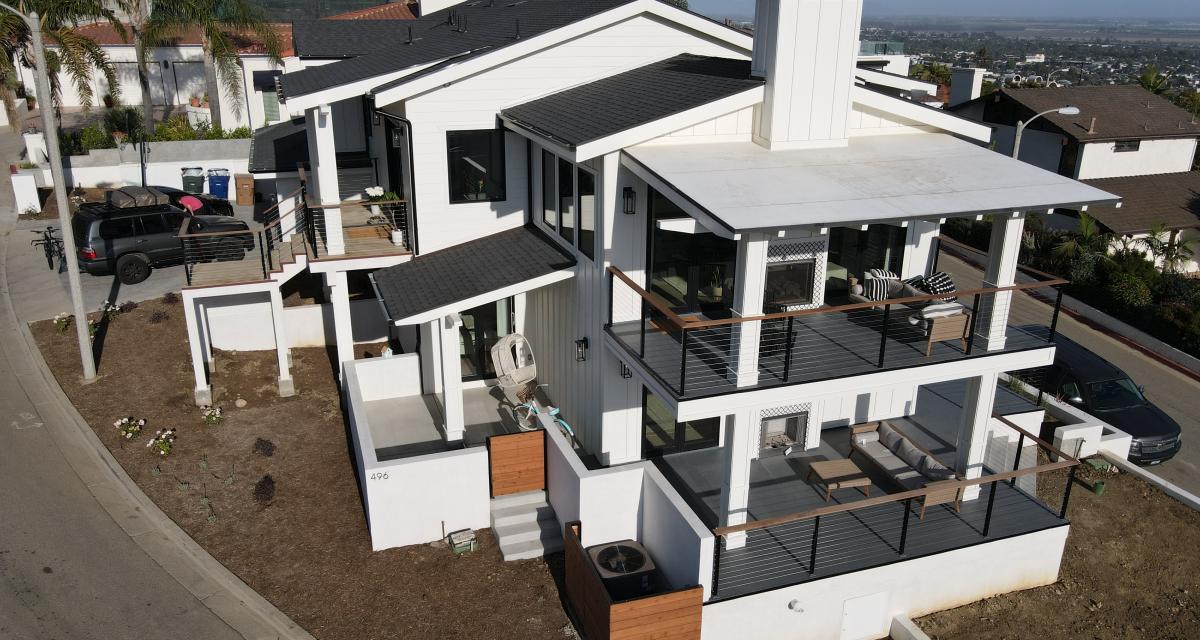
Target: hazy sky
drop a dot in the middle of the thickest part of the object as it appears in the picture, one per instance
(1021, 8)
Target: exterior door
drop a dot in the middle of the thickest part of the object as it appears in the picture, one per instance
(481, 328)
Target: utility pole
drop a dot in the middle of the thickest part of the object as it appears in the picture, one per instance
(50, 128)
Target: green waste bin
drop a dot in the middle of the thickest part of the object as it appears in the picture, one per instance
(193, 179)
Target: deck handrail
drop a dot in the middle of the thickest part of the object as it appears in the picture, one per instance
(1064, 462)
(684, 323)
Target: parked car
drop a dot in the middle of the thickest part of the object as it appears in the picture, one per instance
(1085, 380)
(213, 206)
(137, 229)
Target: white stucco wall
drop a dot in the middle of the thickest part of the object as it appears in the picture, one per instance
(1100, 160)
(121, 167)
(243, 323)
(861, 605)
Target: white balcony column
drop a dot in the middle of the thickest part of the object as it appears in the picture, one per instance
(431, 357)
(974, 429)
(202, 394)
(739, 435)
(320, 120)
(452, 384)
(749, 291)
(339, 296)
(205, 333)
(921, 244)
(287, 386)
(1001, 271)
(286, 206)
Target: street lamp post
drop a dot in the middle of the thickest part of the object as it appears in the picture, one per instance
(50, 128)
(1021, 124)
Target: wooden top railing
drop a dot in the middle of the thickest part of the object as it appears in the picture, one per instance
(278, 221)
(687, 323)
(1065, 461)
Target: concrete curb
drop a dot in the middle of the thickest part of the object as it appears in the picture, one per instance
(218, 589)
(1169, 488)
(232, 600)
(904, 628)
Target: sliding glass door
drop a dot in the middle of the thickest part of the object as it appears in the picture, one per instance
(692, 272)
(854, 252)
(481, 328)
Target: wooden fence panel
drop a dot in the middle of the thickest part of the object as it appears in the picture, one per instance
(518, 462)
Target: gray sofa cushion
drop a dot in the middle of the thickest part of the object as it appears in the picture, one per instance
(865, 437)
(889, 436)
(935, 470)
(909, 454)
(909, 479)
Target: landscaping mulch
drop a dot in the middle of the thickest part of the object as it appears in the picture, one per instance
(302, 542)
(1130, 570)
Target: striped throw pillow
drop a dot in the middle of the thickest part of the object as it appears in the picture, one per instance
(882, 274)
(875, 289)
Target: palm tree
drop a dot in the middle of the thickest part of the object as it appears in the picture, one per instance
(223, 25)
(137, 12)
(1167, 246)
(936, 73)
(1153, 81)
(80, 57)
(1088, 240)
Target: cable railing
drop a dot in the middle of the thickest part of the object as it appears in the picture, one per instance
(697, 356)
(222, 257)
(873, 531)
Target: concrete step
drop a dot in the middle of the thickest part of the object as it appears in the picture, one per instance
(525, 531)
(518, 499)
(530, 549)
(522, 514)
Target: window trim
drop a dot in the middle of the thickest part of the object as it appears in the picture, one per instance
(502, 180)
(579, 211)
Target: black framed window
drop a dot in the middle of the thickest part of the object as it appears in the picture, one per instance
(566, 201)
(475, 161)
(549, 190)
(693, 273)
(587, 213)
(1123, 146)
(662, 435)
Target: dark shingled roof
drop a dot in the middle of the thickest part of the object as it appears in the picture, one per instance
(1170, 198)
(617, 103)
(467, 270)
(279, 147)
(1121, 112)
(381, 45)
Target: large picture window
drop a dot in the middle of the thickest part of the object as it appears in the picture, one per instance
(476, 165)
(587, 213)
(566, 201)
(549, 190)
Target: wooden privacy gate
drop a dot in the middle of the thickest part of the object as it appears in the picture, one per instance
(518, 462)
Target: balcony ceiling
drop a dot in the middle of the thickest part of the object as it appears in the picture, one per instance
(744, 187)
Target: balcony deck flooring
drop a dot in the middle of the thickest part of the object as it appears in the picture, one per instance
(850, 541)
(828, 345)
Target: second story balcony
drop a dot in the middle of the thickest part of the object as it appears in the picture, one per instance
(696, 355)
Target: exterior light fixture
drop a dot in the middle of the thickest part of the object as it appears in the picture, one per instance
(1068, 111)
(629, 195)
(626, 372)
(581, 349)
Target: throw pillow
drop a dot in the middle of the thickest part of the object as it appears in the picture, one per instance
(875, 289)
(915, 282)
(935, 470)
(882, 274)
(909, 454)
(888, 436)
(941, 310)
(938, 284)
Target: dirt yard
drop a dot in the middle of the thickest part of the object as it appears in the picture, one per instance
(305, 548)
(1131, 570)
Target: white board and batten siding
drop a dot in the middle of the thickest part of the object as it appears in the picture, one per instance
(473, 103)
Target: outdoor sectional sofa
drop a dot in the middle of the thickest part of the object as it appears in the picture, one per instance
(939, 320)
(908, 465)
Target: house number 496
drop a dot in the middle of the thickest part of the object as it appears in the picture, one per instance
(379, 476)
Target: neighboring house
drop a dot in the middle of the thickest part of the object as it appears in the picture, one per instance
(690, 229)
(1125, 140)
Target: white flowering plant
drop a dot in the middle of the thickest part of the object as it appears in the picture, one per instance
(211, 415)
(374, 193)
(130, 427)
(62, 322)
(161, 442)
(109, 310)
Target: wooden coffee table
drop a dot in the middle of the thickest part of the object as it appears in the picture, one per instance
(839, 474)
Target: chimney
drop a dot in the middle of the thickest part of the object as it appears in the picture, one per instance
(806, 51)
(966, 84)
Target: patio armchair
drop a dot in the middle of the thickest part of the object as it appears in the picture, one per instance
(907, 464)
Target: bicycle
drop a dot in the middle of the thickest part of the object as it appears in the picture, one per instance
(526, 415)
(51, 245)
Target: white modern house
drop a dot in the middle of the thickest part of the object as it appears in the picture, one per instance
(1125, 140)
(721, 255)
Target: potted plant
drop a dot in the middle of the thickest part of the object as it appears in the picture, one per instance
(194, 101)
(716, 284)
(375, 195)
(31, 103)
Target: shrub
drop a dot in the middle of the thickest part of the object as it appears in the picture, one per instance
(170, 297)
(159, 317)
(62, 322)
(175, 129)
(1177, 289)
(265, 448)
(95, 137)
(1086, 269)
(238, 133)
(130, 427)
(1178, 325)
(264, 489)
(127, 306)
(162, 442)
(126, 120)
(1130, 292)
(211, 415)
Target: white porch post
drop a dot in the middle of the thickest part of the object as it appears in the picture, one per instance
(431, 357)
(973, 431)
(918, 255)
(735, 484)
(1001, 271)
(320, 119)
(287, 207)
(203, 391)
(204, 333)
(749, 290)
(339, 295)
(287, 387)
(452, 385)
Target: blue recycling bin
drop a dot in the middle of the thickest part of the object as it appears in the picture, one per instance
(218, 183)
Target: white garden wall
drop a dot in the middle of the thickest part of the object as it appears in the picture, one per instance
(243, 323)
(121, 167)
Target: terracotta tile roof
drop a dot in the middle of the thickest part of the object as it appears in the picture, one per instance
(1170, 198)
(106, 34)
(1121, 112)
(389, 11)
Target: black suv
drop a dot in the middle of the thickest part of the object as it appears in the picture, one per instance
(137, 228)
(1087, 381)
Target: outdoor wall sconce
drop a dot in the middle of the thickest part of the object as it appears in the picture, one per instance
(629, 195)
(581, 348)
(626, 372)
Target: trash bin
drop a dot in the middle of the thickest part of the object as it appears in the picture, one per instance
(218, 183)
(193, 179)
(244, 184)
